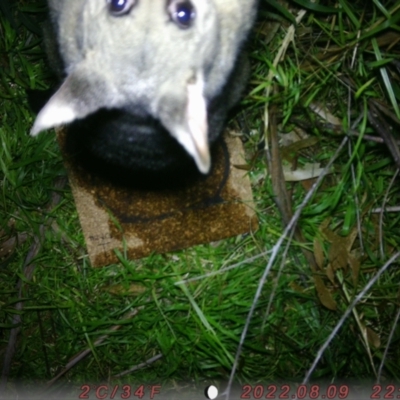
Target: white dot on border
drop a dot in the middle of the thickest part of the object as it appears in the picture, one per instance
(211, 392)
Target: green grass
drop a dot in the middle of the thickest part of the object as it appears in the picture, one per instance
(338, 75)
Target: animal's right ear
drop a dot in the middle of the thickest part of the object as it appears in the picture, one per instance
(79, 96)
(184, 114)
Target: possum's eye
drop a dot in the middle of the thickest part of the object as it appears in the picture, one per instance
(182, 13)
(120, 7)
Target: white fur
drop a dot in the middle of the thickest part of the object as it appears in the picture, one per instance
(143, 58)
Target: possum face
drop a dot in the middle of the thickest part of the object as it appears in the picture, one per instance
(161, 58)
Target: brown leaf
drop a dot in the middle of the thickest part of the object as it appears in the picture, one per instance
(373, 338)
(244, 167)
(319, 253)
(325, 114)
(338, 255)
(296, 287)
(330, 273)
(134, 289)
(324, 229)
(324, 294)
(355, 264)
(291, 150)
(308, 184)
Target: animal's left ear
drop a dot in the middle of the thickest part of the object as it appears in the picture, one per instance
(57, 111)
(80, 95)
(186, 120)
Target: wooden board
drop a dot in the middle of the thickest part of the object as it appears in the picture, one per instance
(217, 207)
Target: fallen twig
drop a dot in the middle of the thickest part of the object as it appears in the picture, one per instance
(139, 366)
(346, 314)
(289, 227)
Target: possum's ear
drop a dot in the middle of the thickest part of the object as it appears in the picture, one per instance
(76, 98)
(187, 121)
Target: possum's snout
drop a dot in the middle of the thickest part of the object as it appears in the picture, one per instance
(119, 144)
(181, 109)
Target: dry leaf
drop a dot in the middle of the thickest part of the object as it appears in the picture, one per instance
(307, 171)
(325, 114)
(292, 148)
(330, 273)
(319, 253)
(338, 255)
(355, 264)
(296, 287)
(244, 167)
(373, 338)
(308, 184)
(324, 294)
(134, 289)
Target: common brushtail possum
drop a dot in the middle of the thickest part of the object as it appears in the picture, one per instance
(147, 84)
